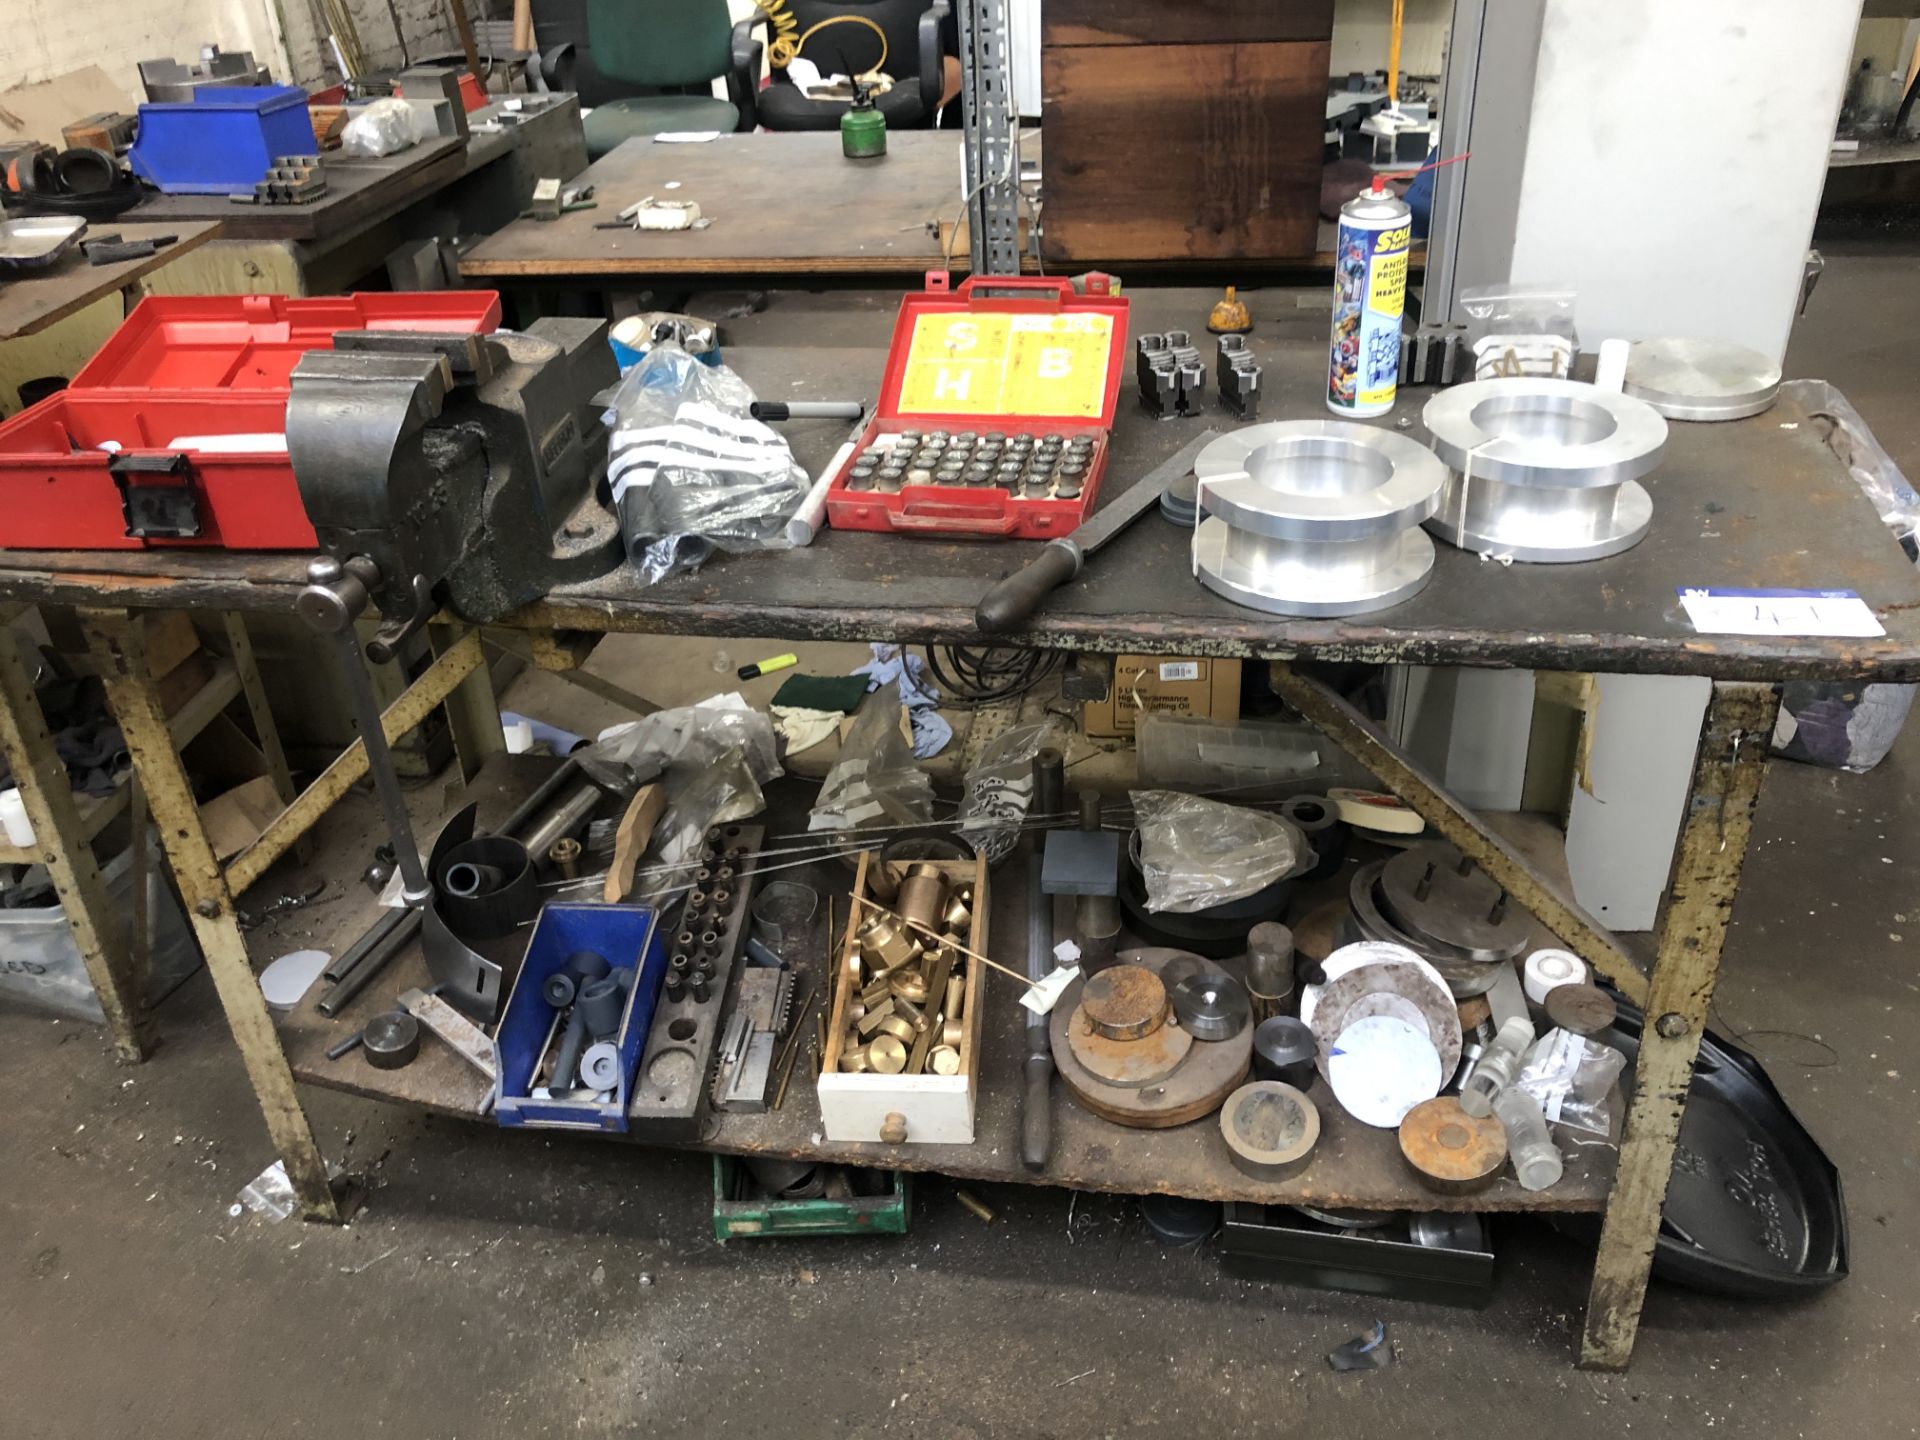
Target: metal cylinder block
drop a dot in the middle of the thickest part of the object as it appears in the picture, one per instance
(1315, 517)
(1542, 469)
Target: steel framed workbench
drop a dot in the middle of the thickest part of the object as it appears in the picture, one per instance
(1754, 502)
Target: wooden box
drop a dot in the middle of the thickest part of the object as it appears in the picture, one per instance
(1183, 132)
(936, 1109)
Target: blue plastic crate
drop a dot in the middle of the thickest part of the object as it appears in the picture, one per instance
(626, 935)
(223, 142)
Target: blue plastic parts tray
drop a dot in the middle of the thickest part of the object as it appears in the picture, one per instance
(626, 935)
(224, 141)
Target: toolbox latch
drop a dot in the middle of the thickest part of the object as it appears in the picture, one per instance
(157, 496)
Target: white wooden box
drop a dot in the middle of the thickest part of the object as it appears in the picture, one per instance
(936, 1109)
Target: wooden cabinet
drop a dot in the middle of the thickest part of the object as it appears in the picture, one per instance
(1183, 129)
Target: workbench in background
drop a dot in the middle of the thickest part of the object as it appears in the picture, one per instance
(1760, 501)
(53, 320)
(436, 188)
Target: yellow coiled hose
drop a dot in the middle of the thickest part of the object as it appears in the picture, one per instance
(788, 37)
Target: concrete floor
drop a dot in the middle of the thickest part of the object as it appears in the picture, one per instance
(515, 1285)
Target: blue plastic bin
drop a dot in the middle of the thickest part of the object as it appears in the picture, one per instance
(224, 141)
(626, 935)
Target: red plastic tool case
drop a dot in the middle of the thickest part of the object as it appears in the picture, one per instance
(1070, 349)
(193, 367)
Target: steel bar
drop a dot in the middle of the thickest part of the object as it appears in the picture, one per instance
(419, 701)
(118, 645)
(247, 668)
(372, 962)
(386, 780)
(1355, 734)
(1727, 772)
(62, 845)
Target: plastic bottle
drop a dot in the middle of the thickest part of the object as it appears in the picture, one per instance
(1536, 1160)
(1497, 1067)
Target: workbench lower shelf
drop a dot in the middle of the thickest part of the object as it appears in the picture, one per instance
(1354, 1165)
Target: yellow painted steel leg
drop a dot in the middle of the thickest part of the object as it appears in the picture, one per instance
(1727, 773)
(247, 668)
(63, 848)
(119, 651)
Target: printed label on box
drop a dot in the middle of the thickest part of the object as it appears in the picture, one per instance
(1180, 670)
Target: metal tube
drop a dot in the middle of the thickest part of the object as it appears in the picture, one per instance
(1036, 1114)
(372, 964)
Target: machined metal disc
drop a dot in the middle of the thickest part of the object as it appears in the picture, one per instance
(1537, 432)
(1463, 976)
(1270, 1129)
(1307, 580)
(1398, 990)
(1212, 1007)
(1436, 894)
(1318, 480)
(1547, 527)
(1689, 379)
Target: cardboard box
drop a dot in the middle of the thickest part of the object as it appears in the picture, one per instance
(1163, 685)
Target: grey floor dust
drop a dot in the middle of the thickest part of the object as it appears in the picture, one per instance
(512, 1285)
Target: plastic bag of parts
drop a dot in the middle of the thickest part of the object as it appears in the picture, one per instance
(1571, 1078)
(876, 781)
(1197, 853)
(1000, 789)
(383, 128)
(691, 472)
(1521, 329)
(1823, 722)
(715, 757)
(40, 965)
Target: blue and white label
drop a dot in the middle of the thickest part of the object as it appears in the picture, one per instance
(1716, 610)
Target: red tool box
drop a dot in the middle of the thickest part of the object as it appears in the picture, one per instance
(191, 392)
(996, 411)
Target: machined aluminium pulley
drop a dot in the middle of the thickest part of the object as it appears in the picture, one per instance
(1315, 517)
(1543, 469)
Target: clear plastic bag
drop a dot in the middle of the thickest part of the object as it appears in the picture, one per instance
(1832, 723)
(1000, 789)
(1197, 853)
(876, 781)
(1518, 329)
(1572, 1079)
(715, 757)
(691, 471)
(385, 127)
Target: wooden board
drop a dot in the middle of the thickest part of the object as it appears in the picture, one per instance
(359, 191)
(1183, 152)
(780, 204)
(31, 303)
(1154, 22)
(1354, 1164)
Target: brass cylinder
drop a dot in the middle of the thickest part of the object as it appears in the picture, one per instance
(886, 1056)
(923, 895)
(854, 1061)
(956, 998)
(908, 985)
(951, 1033)
(910, 1012)
(958, 917)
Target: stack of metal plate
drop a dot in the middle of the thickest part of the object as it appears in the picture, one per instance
(1439, 904)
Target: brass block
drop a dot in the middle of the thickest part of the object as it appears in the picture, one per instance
(923, 895)
(945, 1060)
(908, 985)
(870, 1022)
(899, 1027)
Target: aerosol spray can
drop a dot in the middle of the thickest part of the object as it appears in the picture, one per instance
(1369, 297)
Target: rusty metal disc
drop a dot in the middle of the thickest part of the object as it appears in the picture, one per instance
(1145, 1061)
(1450, 1150)
(1583, 1009)
(1125, 1002)
(1204, 1077)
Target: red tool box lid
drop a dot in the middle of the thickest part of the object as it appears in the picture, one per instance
(252, 342)
(1026, 347)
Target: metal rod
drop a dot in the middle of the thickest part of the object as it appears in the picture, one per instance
(386, 780)
(370, 968)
